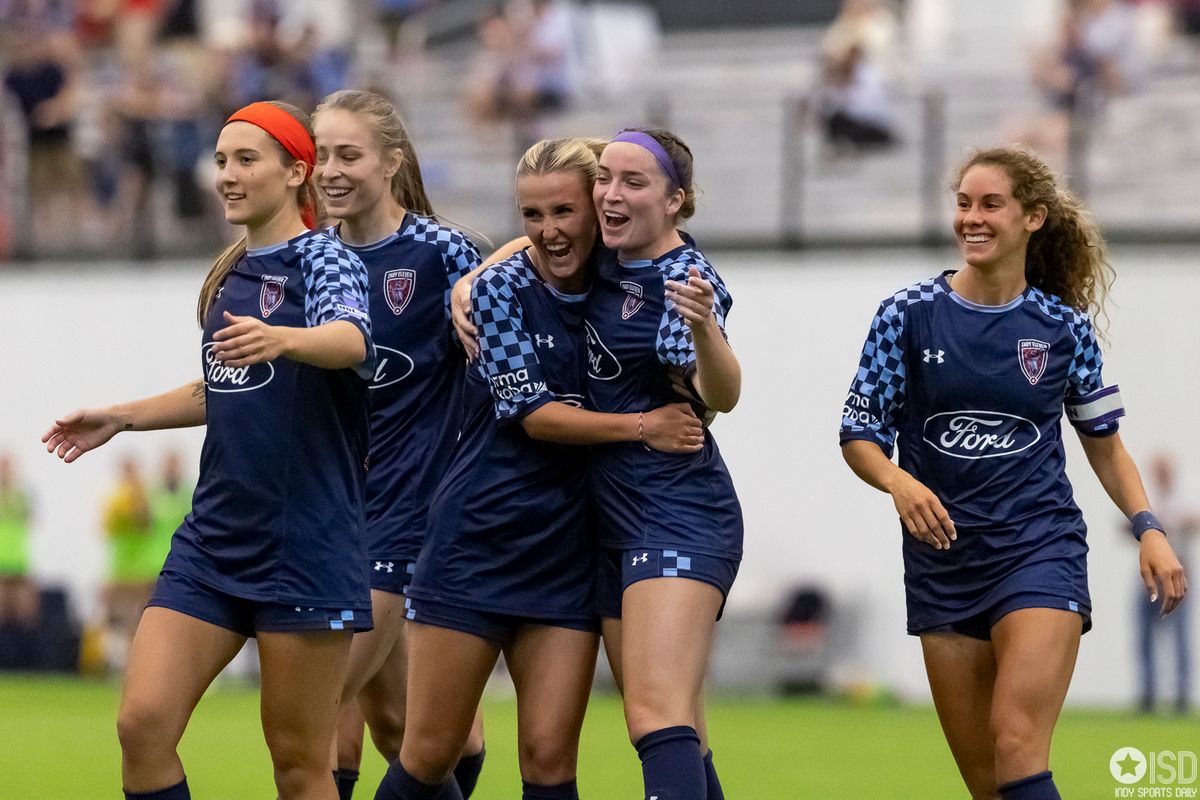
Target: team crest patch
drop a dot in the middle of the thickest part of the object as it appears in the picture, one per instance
(1034, 354)
(271, 296)
(633, 299)
(398, 288)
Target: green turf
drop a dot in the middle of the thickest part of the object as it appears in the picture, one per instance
(58, 743)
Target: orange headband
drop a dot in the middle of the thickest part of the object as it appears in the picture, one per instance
(290, 133)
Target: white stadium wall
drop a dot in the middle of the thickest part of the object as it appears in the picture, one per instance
(94, 334)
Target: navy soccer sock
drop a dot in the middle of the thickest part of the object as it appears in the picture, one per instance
(562, 791)
(715, 792)
(466, 772)
(345, 780)
(397, 784)
(1034, 787)
(177, 792)
(671, 765)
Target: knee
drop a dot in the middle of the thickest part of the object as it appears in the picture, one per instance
(430, 759)
(299, 763)
(143, 728)
(548, 760)
(387, 731)
(646, 712)
(1015, 737)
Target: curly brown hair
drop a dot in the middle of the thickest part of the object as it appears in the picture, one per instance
(1067, 257)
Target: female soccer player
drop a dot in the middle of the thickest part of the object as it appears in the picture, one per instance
(972, 370)
(369, 177)
(509, 559)
(273, 546)
(670, 525)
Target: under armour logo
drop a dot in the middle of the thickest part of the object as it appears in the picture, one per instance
(544, 341)
(935, 357)
(381, 566)
(642, 559)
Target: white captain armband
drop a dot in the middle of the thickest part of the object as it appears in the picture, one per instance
(1098, 412)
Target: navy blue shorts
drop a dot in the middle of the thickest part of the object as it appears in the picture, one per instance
(500, 629)
(178, 592)
(979, 626)
(391, 575)
(617, 570)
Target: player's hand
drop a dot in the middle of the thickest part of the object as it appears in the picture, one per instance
(693, 300)
(922, 513)
(683, 388)
(673, 428)
(460, 314)
(1160, 566)
(80, 431)
(248, 340)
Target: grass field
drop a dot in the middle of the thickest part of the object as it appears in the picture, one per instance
(58, 743)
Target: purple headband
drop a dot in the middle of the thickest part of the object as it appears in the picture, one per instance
(660, 155)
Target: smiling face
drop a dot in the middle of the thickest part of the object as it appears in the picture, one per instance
(634, 202)
(252, 181)
(558, 218)
(989, 224)
(354, 172)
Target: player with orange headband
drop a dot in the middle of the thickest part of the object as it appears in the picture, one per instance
(273, 547)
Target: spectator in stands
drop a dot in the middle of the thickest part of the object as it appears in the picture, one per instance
(489, 89)
(42, 77)
(1094, 51)
(1184, 524)
(18, 594)
(126, 521)
(170, 501)
(858, 58)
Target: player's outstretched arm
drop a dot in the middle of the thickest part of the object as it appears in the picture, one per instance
(920, 510)
(88, 428)
(247, 340)
(718, 376)
(1119, 476)
(672, 428)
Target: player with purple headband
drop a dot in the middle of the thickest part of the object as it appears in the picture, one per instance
(971, 372)
(670, 526)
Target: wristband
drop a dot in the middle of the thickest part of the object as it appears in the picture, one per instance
(1144, 521)
(641, 428)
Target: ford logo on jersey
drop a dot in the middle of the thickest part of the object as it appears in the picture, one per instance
(221, 378)
(602, 364)
(980, 434)
(391, 366)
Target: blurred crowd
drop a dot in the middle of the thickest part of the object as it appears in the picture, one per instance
(110, 104)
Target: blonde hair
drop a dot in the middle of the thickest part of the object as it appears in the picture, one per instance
(1067, 256)
(563, 155)
(305, 193)
(408, 187)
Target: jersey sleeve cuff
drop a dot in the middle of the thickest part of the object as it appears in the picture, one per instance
(515, 412)
(850, 435)
(1096, 414)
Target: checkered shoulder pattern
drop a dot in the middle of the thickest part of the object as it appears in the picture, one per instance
(507, 357)
(335, 288)
(1084, 378)
(876, 395)
(674, 342)
(458, 252)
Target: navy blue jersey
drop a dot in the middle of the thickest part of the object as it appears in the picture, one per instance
(644, 498)
(415, 393)
(277, 514)
(507, 528)
(974, 395)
